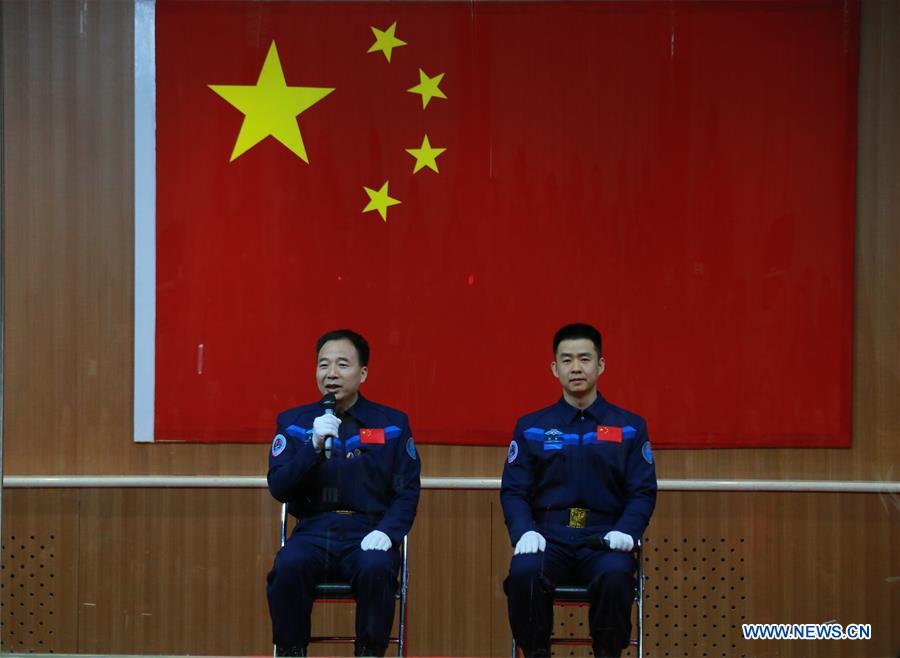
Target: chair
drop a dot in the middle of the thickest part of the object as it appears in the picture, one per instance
(341, 592)
(578, 595)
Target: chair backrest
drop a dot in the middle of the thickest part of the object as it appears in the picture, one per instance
(284, 517)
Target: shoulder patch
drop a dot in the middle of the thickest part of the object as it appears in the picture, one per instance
(278, 445)
(411, 448)
(513, 452)
(647, 452)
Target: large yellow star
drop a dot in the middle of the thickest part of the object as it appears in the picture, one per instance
(428, 87)
(385, 41)
(426, 156)
(270, 107)
(379, 200)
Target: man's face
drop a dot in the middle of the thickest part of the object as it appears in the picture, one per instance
(338, 371)
(577, 366)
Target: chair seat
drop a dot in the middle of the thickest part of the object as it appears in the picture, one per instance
(338, 591)
(334, 591)
(571, 594)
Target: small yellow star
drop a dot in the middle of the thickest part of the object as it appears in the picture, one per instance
(385, 41)
(426, 156)
(379, 200)
(428, 87)
(270, 107)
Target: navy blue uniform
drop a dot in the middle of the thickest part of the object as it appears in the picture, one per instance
(598, 459)
(371, 482)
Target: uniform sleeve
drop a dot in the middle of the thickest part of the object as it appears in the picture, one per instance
(401, 512)
(291, 459)
(517, 487)
(640, 486)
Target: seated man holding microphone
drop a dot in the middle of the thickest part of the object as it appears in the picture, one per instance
(349, 471)
(578, 489)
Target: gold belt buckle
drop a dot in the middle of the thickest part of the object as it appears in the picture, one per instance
(577, 517)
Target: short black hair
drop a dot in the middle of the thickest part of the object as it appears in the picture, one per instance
(578, 330)
(360, 343)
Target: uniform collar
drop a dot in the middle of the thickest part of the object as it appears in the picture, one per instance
(359, 411)
(570, 413)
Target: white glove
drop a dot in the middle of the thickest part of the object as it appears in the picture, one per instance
(375, 541)
(530, 542)
(619, 541)
(325, 425)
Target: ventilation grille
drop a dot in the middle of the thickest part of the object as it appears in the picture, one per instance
(30, 605)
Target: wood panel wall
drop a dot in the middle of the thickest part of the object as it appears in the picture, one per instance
(182, 571)
(160, 571)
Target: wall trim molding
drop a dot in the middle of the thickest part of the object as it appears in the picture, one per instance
(259, 482)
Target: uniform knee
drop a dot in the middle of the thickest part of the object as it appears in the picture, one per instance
(613, 585)
(377, 565)
(525, 574)
(293, 566)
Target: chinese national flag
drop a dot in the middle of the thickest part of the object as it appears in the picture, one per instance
(371, 436)
(457, 180)
(605, 433)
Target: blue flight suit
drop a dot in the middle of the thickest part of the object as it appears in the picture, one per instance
(598, 459)
(370, 482)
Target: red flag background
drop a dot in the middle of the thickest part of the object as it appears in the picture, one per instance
(681, 174)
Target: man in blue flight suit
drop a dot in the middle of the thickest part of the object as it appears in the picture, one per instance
(352, 480)
(578, 474)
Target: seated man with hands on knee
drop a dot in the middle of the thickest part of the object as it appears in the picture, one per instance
(579, 477)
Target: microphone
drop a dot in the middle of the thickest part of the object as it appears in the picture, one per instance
(329, 402)
(597, 542)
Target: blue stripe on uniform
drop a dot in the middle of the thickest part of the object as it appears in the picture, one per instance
(298, 432)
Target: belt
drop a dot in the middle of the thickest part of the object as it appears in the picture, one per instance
(573, 517)
(342, 511)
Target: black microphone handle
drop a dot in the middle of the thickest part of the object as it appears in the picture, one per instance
(329, 402)
(598, 542)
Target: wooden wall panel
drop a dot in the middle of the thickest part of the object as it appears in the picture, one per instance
(68, 88)
(807, 558)
(175, 571)
(451, 574)
(182, 571)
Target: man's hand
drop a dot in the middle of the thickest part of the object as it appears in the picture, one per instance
(324, 425)
(375, 541)
(530, 542)
(619, 541)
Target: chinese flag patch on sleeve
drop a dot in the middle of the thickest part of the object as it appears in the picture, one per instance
(376, 436)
